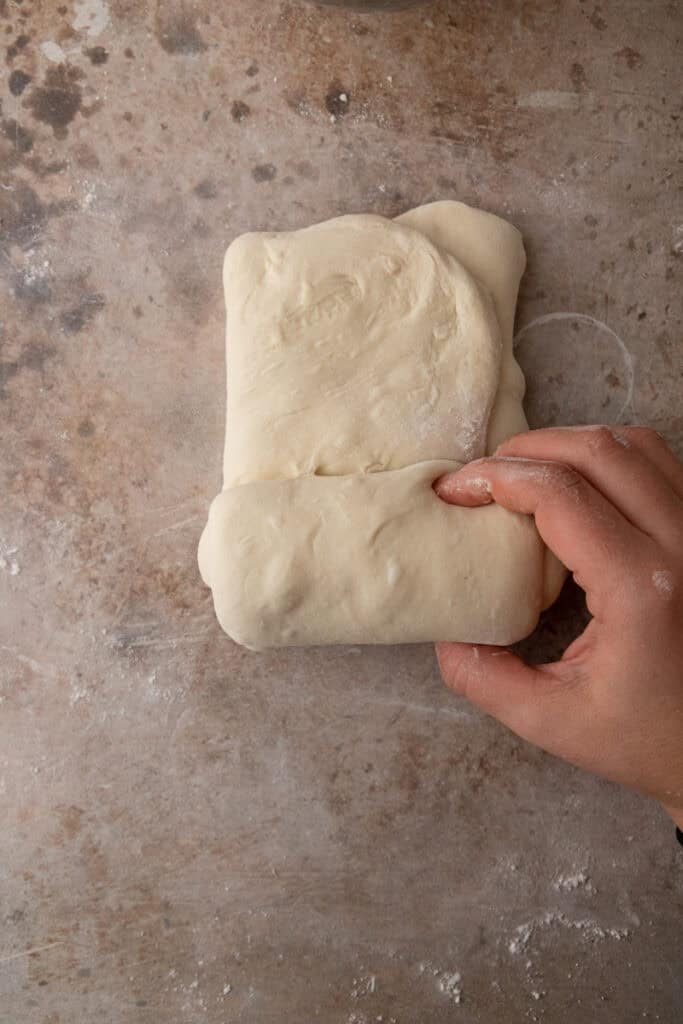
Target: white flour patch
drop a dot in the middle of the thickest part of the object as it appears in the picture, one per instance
(363, 985)
(7, 560)
(53, 51)
(664, 582)
(91, 15)
(450, 985)
(520, 939)
(590, 929)
(570, 883)
(89, 195)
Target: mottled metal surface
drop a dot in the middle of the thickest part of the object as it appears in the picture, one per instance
(194, 833)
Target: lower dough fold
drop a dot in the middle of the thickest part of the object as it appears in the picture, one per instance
(370, 558)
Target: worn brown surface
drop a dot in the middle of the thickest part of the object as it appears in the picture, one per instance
(193, 833)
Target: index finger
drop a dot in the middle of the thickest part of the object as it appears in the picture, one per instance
(576, 522)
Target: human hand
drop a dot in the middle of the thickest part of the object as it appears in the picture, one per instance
(609, 503)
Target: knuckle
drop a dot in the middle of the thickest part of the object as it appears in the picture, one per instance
(602, 442)
(647, 436)
(563, 478)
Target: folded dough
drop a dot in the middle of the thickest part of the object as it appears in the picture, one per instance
(366, 357)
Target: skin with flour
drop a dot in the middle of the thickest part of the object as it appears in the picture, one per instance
(609, 503)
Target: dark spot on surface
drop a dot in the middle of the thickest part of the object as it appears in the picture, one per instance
(45, 170)
(137, 312)
(642, 315)
(17, 915)
(128, 53)
(18, 81)
(206, 115)
(252, 70)
(71, 820)
(57, 101)
(205, 189)
(32, 290)
(578, 76)
(633, 58)
(127, 116)
(590, 220)
(84, 972)
(86, 428)
(73, 320)
(22, 215)
(177, 30)
(93, 108)
(21, 141)
(7, 371)
(264, 172)
(33, 357)
(613, 379)
(86, 156)
(597, 21)
(19, 44)
(337, 100)
(97, 54)
(306, 170)
(447, 184)
(359, 30)
(240, 110)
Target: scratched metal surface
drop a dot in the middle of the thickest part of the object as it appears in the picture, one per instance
(193, 833)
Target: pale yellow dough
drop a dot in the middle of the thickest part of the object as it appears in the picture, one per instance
(360, 352)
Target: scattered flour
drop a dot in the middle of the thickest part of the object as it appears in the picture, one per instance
(7, 560)
(449, 983)
(520, 940)
(590, 929)
(579, 880)
(363, 985)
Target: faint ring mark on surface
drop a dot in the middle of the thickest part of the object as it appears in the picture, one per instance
(578, 370)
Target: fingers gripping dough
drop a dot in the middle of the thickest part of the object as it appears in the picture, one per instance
(359, 351)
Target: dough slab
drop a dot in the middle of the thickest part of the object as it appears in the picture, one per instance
(367, 357)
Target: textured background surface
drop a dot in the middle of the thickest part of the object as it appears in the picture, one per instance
(192, 833)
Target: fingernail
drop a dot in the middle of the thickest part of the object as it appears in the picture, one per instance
(461, 483)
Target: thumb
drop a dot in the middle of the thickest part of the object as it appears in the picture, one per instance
(540, 703)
